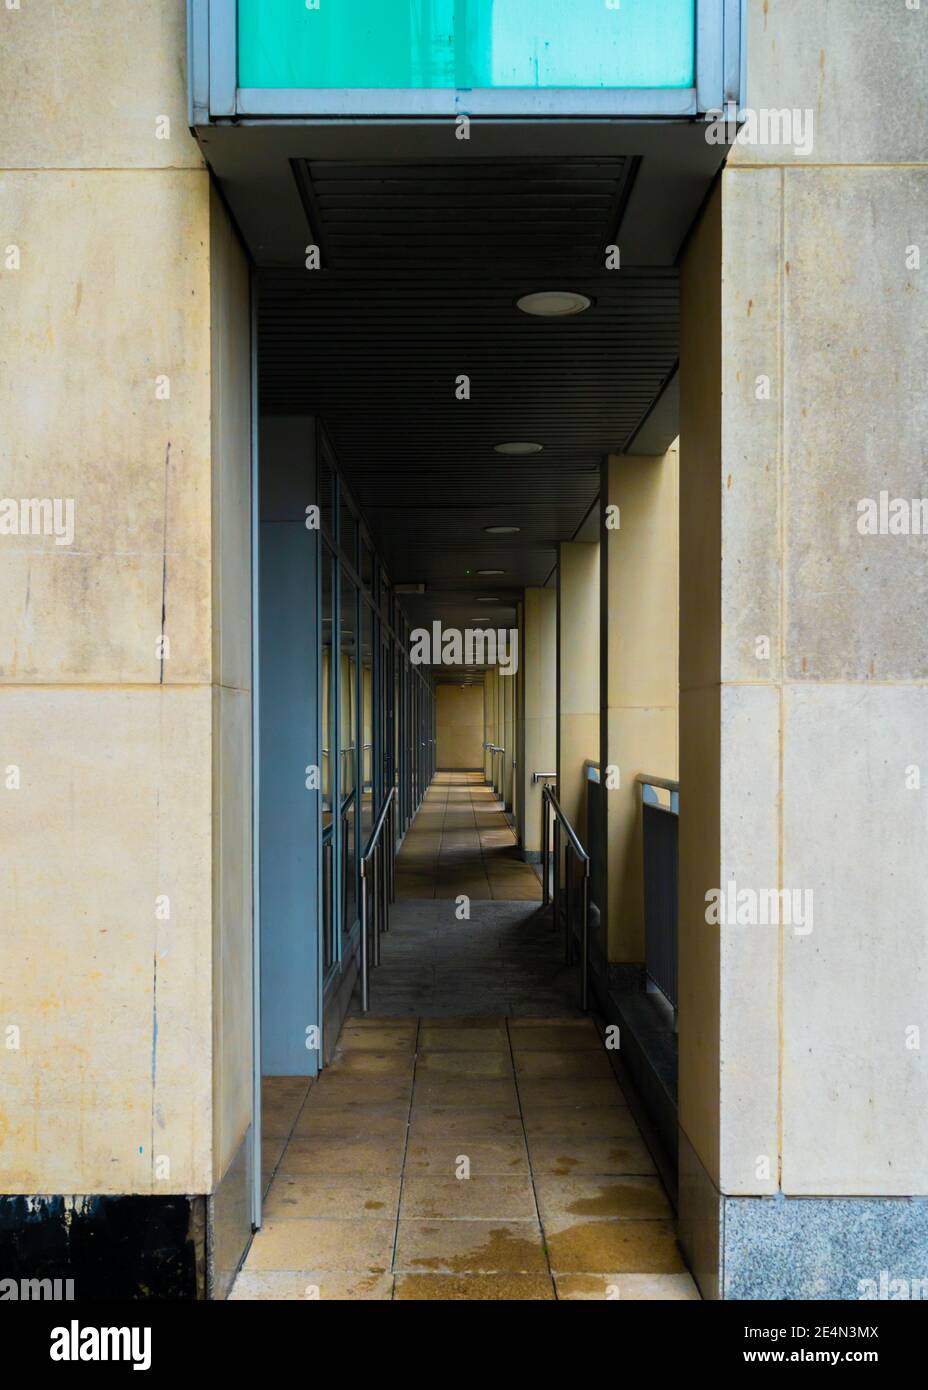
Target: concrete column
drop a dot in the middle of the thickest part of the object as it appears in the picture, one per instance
(488, 724)
(125, 645)
(639, 611)
(518, 728)
(538, 657)
(804, 675)
(508, 689)
(577, 674)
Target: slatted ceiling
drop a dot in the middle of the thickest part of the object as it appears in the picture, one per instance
(482, 216)
(422, 267)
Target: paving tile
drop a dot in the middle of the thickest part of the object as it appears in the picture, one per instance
(336, 1154)
(568, 1090)
(557, 1037)
(323, 1244)
(627, 1247)
(474, 1093)
(439, 1156)
(464, 1064)
(396, 1066)
(504, 1070)
(347, 1091)
(278, 1118)
(629, 1198)
(579, 1122)
(296, 1195)
(274, 1085)
(582, 1024)
(472, 1122)
(287, 1285)
(469, 1247)
(564, 1158)
(581, 1065)
(474, 1198)
(400, 1037)
(496, 1288)
(358, 1122)
(271, 1151)
(435, 1038)
(627, 1287)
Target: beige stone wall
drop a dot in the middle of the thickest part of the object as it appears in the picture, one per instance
(539, 665)
(794, 1046)
(578, 691)
(639, 614)
(126, 875)
(230, 373)
(459, 720)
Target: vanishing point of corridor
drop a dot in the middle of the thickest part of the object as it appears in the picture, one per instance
(469, 1139)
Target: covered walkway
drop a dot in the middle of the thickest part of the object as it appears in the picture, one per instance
(469, 1139)
(461, 842)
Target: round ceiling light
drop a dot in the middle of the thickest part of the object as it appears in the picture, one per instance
(502, 530)
(518, 448)
(553, 304)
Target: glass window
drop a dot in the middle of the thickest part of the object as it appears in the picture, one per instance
(348, 532)
(367, 564)
(466, 43)
(366, 661)
(326, 482)
(328, 762)
(349, 750)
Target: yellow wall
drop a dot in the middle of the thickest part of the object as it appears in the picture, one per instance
(638, 730)
(459, 717)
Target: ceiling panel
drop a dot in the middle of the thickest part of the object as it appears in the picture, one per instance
(421, 266)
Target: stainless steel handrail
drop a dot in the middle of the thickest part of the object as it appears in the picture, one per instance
(541, 776)
(379, 856)
(494, 749)
(549, 803)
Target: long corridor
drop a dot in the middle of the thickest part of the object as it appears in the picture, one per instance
(461, 842)
(469, 1139)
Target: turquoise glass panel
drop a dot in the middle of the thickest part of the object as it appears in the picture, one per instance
(466, 43)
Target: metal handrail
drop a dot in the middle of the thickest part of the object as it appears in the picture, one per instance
(572, 836)
(549, 803)
(494, 749)
(540, 776)
(378, 826)
(380, 856)
(668, 784)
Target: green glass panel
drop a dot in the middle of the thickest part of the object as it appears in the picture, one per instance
(466, 43)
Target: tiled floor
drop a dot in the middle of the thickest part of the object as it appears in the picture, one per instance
(471, 1158)
(461, 842)
(470, 1140)
(503, 958)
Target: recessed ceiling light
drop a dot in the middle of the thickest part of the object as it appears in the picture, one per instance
(489, 598)
(491, 571)
(502, 530)
(518, 447)
(553, 304)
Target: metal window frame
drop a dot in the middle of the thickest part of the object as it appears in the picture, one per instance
(214, 94)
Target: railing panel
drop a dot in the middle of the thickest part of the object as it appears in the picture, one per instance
(660, 834)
